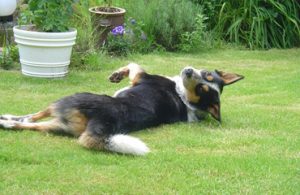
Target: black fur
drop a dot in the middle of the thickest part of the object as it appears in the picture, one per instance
(100, 121)
(151, 102)
(207, 98)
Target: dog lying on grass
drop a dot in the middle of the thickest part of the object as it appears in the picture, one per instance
(102, 122)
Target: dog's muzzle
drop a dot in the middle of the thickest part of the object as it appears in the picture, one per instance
(188, 72)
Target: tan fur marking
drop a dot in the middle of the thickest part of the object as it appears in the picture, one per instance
(76, 122)
(136, 79)
(91, 142)
(124, 71)
(205, 88)
(209, 78)
(192, 97)
(43, 114)
(46, 126)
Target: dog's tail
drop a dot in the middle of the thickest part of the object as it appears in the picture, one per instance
(126, 144)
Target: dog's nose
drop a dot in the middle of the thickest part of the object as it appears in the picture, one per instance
(188, 72)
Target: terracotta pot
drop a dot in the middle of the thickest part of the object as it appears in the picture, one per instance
(105, 20)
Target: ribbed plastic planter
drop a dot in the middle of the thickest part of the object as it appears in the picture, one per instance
(44, 54)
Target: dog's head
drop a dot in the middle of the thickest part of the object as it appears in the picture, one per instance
(203, 88)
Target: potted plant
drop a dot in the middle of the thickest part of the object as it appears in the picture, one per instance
(107, 17)
(45, 46)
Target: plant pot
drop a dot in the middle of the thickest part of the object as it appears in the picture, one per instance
(105, 20)
(44, 54)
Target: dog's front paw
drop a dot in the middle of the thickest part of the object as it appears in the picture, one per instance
(116, 77)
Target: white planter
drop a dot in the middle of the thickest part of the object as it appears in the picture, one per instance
(44, 54)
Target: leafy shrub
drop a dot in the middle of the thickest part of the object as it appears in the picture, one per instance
(164, 21)
(89, 60)
(9, 56)
(117, 42)
(131, 38)
(211, 10)
(48, 15)
(193, 40)
(256, 23)
(81, 19)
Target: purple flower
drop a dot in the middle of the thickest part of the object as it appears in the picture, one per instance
(119, 30)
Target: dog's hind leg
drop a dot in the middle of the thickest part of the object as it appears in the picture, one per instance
(91, 141)
(45, 126)
(94, 138)
(119, 143)
(132, 71)
(30, 117)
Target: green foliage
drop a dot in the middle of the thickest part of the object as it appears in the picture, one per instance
(211, 10)
(89, 60)
(193, 40)
(9, 56)
(132, 40)
(81, 19)
(164, 21)
(118, 44)
(256, 23)
(108, 2)
(139, 41)
(14, 53)
(170, 25)
(48, 15)
(5, 60)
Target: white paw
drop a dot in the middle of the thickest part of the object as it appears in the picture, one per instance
(7, 124)
(26, 120)
(6, 117)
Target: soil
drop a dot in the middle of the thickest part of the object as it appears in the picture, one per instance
(31, 28)
(108, 9)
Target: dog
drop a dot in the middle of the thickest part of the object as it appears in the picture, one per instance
(102, 122)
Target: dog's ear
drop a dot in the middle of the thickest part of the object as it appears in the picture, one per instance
(229, 78)
(214, 110)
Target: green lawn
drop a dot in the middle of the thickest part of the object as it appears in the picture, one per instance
(255, 150)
